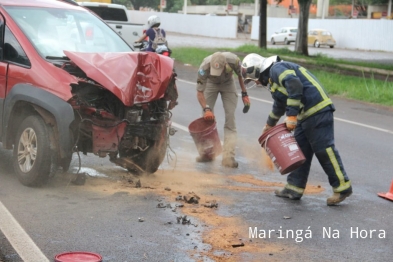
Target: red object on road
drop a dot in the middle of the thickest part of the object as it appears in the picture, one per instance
(281, 146)
(205, 136)
(388, 195)
(78, 256)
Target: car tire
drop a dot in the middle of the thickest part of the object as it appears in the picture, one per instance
(286, 41)
(317, 44)
(32, 157)
(272, 41)
(332, 46)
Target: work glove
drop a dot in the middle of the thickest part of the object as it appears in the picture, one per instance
(264, 130)
(246, 102)
(291, 122)
(208, 114)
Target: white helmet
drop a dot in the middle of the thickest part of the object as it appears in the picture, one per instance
(254, 65)
(153, 20)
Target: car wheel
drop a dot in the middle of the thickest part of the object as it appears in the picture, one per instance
(286, 41)
(332, 46)
(32, 158)
(272, 41)
(317, 44)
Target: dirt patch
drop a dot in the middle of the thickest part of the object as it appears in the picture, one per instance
(227, 235)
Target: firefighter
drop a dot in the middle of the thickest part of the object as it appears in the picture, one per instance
(309, 112)
(215, 76)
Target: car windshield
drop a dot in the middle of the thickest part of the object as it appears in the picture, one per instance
(53, 30)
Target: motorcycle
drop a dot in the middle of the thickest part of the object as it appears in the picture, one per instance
(161, 49)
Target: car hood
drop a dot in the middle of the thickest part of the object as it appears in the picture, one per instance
(127, 74)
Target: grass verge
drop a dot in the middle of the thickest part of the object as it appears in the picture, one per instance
(367, 89)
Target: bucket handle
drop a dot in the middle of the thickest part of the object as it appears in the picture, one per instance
(267, 138)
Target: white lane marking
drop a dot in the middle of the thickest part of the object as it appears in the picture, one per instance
(185, 129)
(18, 238)
(338, 119)
(364, 125)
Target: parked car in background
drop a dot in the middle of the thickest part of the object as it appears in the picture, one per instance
(117, 17)
(318, 37)
(286, 35)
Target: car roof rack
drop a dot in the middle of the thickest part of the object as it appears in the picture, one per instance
(70, 2)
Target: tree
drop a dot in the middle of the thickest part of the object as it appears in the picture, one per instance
(263, 24)
(301, 38)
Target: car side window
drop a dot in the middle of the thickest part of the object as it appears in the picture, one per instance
(13, 51)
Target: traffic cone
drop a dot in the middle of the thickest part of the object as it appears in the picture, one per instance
(388, 195)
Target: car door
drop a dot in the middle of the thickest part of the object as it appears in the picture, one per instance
(3, 73)
(282, 35)
(311, 37)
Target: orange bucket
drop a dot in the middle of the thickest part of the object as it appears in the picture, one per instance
(281, 146)
(206, 139)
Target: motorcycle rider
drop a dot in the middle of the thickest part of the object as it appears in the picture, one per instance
(215, 76)
(153, 22)
(309, 112)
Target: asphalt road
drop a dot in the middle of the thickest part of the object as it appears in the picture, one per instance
(104, 215)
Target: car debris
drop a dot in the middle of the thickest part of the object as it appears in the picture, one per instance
(80, 179)
(183, 220)
(141, 219)
(286, 217)
(211, 204)
(191, 198)
(238, 245)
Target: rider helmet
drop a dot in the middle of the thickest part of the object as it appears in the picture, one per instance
(153, 21)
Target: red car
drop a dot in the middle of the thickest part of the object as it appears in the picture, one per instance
(69, 83)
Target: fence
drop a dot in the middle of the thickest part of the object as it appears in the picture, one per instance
(364, 34)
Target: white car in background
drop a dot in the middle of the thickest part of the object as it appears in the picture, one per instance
(286, 35)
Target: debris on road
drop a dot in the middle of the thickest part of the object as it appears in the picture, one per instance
(183, 220)
(285, 217)
(80, 179)
(141, 219)
(241, 244)
(191, 198)
(211, 204)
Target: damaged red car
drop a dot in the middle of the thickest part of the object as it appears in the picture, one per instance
(69, 83)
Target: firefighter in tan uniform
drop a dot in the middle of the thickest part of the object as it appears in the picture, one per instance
(215, 76)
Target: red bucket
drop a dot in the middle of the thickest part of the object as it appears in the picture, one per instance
(78, 256)
(281, 146)
(206, 138)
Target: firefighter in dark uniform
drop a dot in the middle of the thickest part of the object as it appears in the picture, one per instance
(309, 112)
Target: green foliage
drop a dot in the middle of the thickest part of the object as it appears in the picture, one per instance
(334, 81)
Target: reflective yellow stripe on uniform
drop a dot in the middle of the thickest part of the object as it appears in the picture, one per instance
(294, 188)
(293, 102)
(272, 115)
(314, 109)
(343, 185)
(284, 74)
(314, 82)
